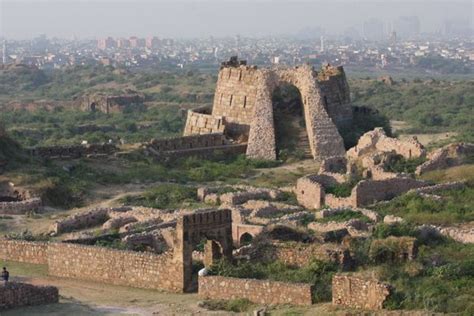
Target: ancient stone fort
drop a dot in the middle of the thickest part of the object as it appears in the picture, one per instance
(243, 109)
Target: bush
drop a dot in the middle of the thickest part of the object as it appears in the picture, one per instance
(240, 305)
(164, 196)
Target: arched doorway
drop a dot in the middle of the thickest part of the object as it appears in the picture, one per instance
(93, 106)
(291, 137)
(245, 239)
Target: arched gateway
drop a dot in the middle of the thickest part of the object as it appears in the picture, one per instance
(243, 104)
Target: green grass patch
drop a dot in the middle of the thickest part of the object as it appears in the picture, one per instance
(345, 216)
(456, 206)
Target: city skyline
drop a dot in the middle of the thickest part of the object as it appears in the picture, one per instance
(193, 19)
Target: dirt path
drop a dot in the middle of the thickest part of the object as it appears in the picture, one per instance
(90, 298)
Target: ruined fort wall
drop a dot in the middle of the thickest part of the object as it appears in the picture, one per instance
(15, 294)
(367, 192)
(24, 251)
(336, 97)
(358, 292)
(301, 254)
(257, 291)
(128, 268)
(74, 151)
(235, 97)
(188, 142)
(21, 207)
(201, 123)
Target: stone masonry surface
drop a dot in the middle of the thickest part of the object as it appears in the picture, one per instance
(24, 251)
(257, 291)
(243, 104)
(356, 291)
(15, 294)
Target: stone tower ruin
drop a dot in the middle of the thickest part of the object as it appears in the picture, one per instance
(243, 109)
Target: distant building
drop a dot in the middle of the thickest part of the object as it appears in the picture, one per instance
(374, 30)
(152, 42)
(407, 26)
(106, 43)
(136, 42)
(123, 43)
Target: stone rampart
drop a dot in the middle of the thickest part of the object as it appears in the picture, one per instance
(13, 295)
(257, 291)
(355, 291)
(24, 251)
(128, 268)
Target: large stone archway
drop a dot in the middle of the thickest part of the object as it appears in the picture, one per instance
(324, 138)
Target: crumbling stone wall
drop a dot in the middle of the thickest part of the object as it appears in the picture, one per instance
(13, 295)
(310, 192)
(193, 145)
(367, 192)
(356, 291)
(301, 254)
(378, 141)
(200, 123)
(24, 251)
(75, 151)
(243, 99)
(393, 249)
(257, 291)
(110, 103)
(448, 156)
(15, 200)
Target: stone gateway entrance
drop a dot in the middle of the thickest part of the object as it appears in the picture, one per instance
(243, 103)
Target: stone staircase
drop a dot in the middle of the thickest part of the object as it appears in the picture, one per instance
(303, 144)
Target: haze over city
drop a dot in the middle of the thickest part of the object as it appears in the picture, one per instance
(186, 18)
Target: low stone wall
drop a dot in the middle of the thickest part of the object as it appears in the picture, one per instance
(204, 152)
(367, 192)
(82, 220)
(188, 142)
(14, 295)
(201, 123)
(128, 268)
(24, 251)
(257, 291)
(356, 291)
(21, 207)
(75, 151)
(309, 192)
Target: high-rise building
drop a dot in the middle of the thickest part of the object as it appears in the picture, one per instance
(374, 30)
(407, 26)
(105, 43)
(123, 43)
(152, 42)
(137, 42)
(321, 48)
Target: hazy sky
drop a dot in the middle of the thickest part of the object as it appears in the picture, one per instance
(198, 18)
